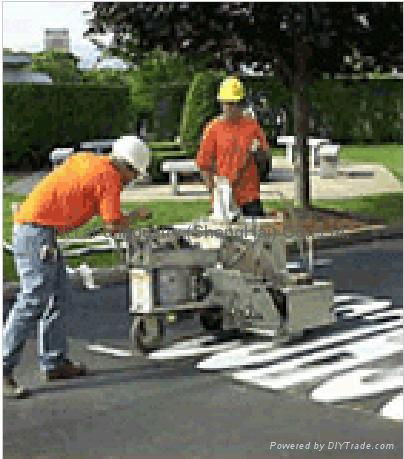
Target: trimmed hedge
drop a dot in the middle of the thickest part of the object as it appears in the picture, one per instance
(347, 111)
(358, 111)
(167, 113)
(164, 146)
(200, 106)
(157, 160)
(38, 118)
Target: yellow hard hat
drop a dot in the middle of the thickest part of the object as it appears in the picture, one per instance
(231, 90)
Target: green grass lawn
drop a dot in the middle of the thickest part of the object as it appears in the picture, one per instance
(390, 155)
(8, 179)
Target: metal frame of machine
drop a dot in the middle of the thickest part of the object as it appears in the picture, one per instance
(241, 284)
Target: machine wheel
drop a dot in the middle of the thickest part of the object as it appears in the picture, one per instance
(147, 333)
(211, 320)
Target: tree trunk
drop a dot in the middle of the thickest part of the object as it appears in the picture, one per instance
(301, 53)
(301, 149)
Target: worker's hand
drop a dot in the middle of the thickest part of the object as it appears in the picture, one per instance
(208, 180)
(117, 226)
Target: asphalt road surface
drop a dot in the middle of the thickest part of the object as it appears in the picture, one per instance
(135, 407)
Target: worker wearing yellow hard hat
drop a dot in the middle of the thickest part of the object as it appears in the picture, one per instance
(227, 146)
(231, 90)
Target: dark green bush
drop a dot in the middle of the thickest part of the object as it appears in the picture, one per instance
(166, 116)
(347, 111)
(164, 146)
(200, 106)
(38, 118)
(157, 159)
(358, 112)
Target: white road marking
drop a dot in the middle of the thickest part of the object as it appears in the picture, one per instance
(347, 298)
(289, 364)
(363, 382)
(263, 355)
(109, 350)
(290, 373)
(385, 314)
(176, 352)
(363, 308)
(394, 408)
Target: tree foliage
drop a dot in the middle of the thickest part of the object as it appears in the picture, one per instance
(62, 67)
(333, 37)
(105, 77)
(153, 75)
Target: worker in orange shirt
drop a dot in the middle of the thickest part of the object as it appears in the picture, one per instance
(85, 185)
(227, 146)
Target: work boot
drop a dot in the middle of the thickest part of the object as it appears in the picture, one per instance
(11, 389)
(66, 370)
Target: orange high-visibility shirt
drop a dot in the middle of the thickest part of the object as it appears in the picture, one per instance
(85, 185)
(223, 151)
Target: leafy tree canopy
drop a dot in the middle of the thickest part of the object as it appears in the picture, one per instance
(153, 75)
(61, 66)
(329, 37)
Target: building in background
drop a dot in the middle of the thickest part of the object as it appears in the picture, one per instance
(15, 70)
(57, 40)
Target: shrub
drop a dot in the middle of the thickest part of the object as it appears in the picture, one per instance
(200, 106)
(157, 159)
(347, 111)
(38, 118)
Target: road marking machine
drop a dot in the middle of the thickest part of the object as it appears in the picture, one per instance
(229, 270)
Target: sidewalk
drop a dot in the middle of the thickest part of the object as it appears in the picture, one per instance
(353, 180)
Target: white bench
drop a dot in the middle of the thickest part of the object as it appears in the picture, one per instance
(289, 141)
(98, 146)
(329, 160)
(313, 143)
(175, 167)
(58, 155)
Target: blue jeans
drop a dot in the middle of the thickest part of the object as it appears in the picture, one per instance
(41, 300)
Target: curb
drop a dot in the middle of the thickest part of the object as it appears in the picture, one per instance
(85, 278)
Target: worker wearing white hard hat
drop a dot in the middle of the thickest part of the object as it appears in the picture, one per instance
(85, 185)
(132, 151)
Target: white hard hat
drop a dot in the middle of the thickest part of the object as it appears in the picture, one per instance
(132, 150)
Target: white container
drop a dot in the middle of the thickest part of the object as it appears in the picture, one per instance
(329, 160)
(223, 205)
